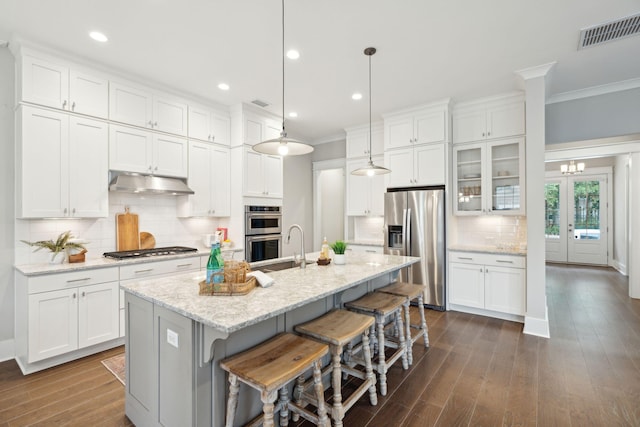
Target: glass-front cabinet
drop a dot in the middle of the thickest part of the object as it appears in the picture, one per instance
(489, 178)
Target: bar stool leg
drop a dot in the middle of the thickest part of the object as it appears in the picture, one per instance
(374, 341)
(297, 396)
(407, 319)
(323, 420)
(232, 403)
(373, 396)
(336, 376)
(403, 343)
(267, 407)
(382, 366)
(284, 406)
(423, 321)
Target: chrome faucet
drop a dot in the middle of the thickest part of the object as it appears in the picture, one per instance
(303, 261)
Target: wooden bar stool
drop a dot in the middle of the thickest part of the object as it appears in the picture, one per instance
(382, 307)
(411, 292)
(339, 328)
(268, 368)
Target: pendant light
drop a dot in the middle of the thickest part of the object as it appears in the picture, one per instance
(283, 145)
(572, 168)
(370, 169)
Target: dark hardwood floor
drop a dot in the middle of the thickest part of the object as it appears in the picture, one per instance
(478, 371)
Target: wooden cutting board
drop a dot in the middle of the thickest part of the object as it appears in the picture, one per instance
(147, 240)
(127, 234)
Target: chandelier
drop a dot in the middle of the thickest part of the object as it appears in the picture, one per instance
(572, 168)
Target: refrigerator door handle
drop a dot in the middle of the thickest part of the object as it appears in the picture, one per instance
(404, 232)
(407, 231)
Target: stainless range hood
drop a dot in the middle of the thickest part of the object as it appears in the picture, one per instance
(148, 184)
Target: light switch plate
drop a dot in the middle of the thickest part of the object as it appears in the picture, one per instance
(172, 338)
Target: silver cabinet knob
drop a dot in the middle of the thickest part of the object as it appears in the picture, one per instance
(73, 211)
(150, 123)
(73, 106)
(155, 124)
(65, 211)
(64, 104)
(213, 138)
(84, 294)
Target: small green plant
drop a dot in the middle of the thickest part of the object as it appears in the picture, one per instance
(339, 247)
(61, 243)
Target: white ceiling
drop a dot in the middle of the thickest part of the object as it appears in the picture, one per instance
(427, 49)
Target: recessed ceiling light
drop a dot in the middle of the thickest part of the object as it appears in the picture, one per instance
(293, 54)
(356, 96)
(293, 114)
(223, 86)
(98, 36)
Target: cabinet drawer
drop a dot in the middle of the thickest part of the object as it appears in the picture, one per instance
(507, 261)
(148, 269)
(51, 282)
(488, 259)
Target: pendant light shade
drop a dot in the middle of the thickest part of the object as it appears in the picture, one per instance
(370, 169)
(283, 145)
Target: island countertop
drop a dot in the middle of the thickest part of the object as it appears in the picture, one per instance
(293, 288)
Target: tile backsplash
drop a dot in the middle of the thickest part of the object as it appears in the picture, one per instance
(491, 230)
(156, 215)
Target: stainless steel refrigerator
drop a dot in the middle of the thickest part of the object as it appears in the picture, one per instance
(414, 224)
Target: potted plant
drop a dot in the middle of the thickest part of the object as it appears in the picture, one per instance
(59, 248)
(338, 248)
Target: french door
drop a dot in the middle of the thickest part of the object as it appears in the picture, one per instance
(576, 219)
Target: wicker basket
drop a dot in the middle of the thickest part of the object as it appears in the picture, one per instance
(235, 282)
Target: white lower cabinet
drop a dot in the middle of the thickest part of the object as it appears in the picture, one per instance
(488, 281)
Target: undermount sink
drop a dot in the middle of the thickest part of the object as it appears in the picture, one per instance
(280, 265)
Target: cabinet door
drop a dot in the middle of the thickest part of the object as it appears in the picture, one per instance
(430, 127)
(272, 175)
(53, 323)
(272, 129)
(170, 156)
(398, 132)
(468, 176)
(130, 105)
(357, 144)
(199, 123)
(505, 174)
(43, 180)
(200, 179)
(358, 188)
(169, 115)
(505, 120)
(253, 175)
(466, 284)
(221, 183)
(130, 150)
(377, 142)
(376, 192)
(401, 164)
(253, 130)
(469, 126)
(220, 129)
(430, 164)
(88, 168)
(98, 313)
(505, 290)
(44, 82)
(88, 94)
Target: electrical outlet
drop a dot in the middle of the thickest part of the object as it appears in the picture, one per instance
(172, 338)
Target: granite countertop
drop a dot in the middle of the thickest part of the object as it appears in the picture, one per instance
(517, 250)
(292, 288)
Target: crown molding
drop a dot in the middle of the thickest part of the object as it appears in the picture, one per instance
(595, 91)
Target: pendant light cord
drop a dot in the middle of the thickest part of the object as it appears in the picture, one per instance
(283, 133)
(370, 134)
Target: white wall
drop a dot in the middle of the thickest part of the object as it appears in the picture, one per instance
(331, 185)
(298, 203)
(6, 203)
(620, 212)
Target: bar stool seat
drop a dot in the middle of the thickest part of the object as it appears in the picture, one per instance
(268, 368)
(411, 291)
(382, 307)
(339, 328)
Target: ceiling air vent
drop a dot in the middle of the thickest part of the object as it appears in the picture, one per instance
(618, 29)
(259, 103)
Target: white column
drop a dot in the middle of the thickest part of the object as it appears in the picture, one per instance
(634, 228)
(536, 320)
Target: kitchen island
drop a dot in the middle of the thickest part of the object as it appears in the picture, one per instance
(175, 337)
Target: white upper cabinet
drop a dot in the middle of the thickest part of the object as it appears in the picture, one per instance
(207, 125)
(421, 125)
(62, 166)
(417, 166)
(365, 194)
(62, 86)
(137, 150)
(489, 118)
(262, 175)
(140, 107)
(358, 141)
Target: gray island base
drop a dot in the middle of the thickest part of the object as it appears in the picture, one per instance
(175, 338)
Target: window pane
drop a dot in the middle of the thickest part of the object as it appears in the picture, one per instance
(586, 198)
(552, 211)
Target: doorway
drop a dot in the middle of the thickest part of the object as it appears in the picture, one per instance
(576, 219)
(329, 194)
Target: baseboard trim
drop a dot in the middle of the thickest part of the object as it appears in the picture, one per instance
(7, 350)
(621, 268)
(536, 326)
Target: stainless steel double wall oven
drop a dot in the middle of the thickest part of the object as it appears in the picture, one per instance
(263, 232)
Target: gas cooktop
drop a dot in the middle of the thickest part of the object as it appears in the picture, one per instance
(138, 253)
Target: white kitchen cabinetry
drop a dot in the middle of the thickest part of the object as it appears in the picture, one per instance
(487, 281)
(209, 173)
(262, 174)
(358, 141)
(417, 166)
(420, 125)
(370, 249)
(489, 178)
(137, 150)
(61, 313)
(208, 125)
(140, 107)
(62, 168)
(365, 194)
(61, 86)
(489, 118)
